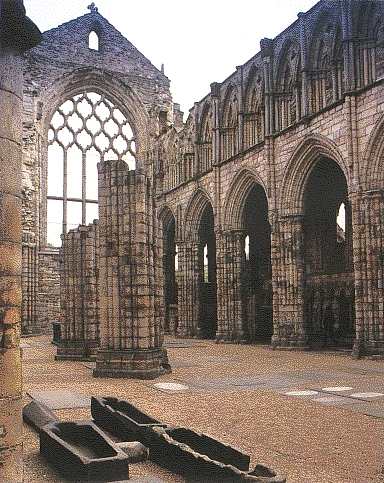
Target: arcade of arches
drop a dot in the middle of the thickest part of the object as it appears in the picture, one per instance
(262, 212)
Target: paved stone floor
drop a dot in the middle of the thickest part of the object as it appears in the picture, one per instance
(316, 417)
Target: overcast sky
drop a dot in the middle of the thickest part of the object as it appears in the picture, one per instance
(199, 41)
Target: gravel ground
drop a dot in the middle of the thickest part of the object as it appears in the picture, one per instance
(305, 440)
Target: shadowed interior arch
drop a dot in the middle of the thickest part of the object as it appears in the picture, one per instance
(328, 256)
(207, 275)
(257, 273)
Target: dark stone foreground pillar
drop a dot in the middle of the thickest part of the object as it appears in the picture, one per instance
(17, 33)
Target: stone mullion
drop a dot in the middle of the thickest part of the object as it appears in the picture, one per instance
(291, 322)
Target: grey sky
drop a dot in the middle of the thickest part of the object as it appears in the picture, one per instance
(199, 41)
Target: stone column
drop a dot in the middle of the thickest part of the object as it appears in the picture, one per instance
(188, 289)
(130, 333)
(368, 248)
(230, 261)
(16, 34)
(288, 281)
(29, 284)
(79, 280)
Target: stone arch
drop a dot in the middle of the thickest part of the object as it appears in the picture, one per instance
(299, 168)
(205, 128)
(196, 206)
(165, 215)
(374, 158)
(231, 101)
(122, 95)
(237, 196)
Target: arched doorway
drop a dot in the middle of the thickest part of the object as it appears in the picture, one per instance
(170, 263)
(207, 324)
(257, 272)
(329, 293)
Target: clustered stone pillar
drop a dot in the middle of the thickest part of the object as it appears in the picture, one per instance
(230, 262)
(188, 288)
(29, 284)
(130, 331)
(16, 34)
(79, 293)
(288, 281)
(368, 245)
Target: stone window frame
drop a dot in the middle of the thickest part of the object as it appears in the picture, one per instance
(117, 99)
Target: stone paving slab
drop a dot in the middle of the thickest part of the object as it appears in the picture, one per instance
(61, 399)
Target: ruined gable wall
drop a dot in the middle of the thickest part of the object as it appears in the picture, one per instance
(47, 75)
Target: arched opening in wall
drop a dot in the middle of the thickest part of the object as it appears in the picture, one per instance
(170, 267)
(85, 129)
(257, 272)
(329, 277)
(207, 276)
(94, 41)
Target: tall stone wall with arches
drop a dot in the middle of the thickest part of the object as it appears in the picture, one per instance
(302, 122)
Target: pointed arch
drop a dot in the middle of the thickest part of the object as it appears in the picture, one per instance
(236, 198)
(195, 209)
(374, 158)
(254, 108)
(165, 215)
(122, 95)
(299, 167)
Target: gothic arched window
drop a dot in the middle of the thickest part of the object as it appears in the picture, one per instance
(93, 41)
(205, 144)
(85, 129)
(230, 125)
(254, 111)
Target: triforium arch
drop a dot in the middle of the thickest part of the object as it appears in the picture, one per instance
(288, 85)
(230, 123)
(198, 286)
(247, 225)
(316, 253)
(254, 108)
(205, 138)
(326, 74)
(168, 240)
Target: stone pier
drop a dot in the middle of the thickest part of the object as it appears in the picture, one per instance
(17, 33)
(130, 332)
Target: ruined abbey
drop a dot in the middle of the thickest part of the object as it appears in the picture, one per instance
(264, 207)
(256, 218)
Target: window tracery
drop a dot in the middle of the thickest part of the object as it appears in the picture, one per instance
(85, 129)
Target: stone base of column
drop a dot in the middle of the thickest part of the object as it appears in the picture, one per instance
(230, 338)
(76, 351)
(131, 364)
(297, 344)
(368, 348)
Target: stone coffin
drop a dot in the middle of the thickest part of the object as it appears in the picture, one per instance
(81, 451)
(38, 415)
(201, 458)
(123, 420)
